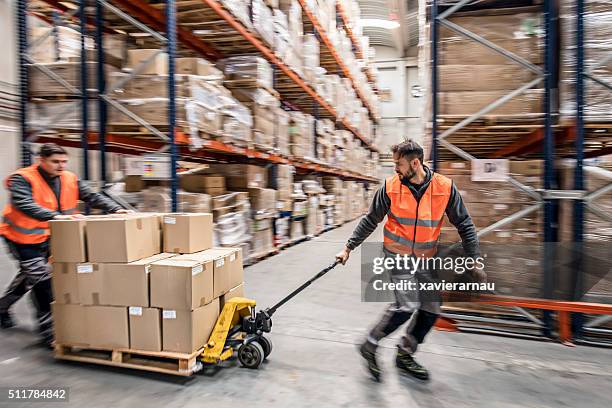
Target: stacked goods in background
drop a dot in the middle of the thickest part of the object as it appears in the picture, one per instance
(280, 25)
(514, 251)
(314, 221)
(301, 133)
(327, 207)
(284, 203)
(297, 227)
(597, 232)
(205, 109)
(133, 293)
(597, 47)
(335, 186)
(472, 76)
(325, 141)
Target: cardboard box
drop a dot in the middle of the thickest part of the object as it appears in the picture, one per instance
(69, 324)
(242, 176)
(68, 241)
(181, 284)
(91, 284)
(134, 184)
(145, 328)
(159, 65)
(470, 102)
(262, 199)
(196, 66)
(134, 237)
(483, 77)
(185, 331)
(187, 233)
(227, 267)
(65, 283)
(107, 326)
(263, 241)
(238, 291)
(128, 284)
(202, 183)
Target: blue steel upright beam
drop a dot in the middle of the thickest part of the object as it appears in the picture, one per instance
(101, 80)
(549, 230)
(578, 230)
(84, 96)
(22, 39)
(171, 36)
(434, 85)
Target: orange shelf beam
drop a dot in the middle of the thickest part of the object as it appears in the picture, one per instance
(325, 39)
(211, 149)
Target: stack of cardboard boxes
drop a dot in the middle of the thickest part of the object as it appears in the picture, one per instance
(125, 293)
(471, 76)
(514, 251)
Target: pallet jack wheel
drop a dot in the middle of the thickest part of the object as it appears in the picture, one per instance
(266, 344)
(251, 355)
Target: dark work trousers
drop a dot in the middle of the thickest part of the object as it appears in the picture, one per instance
(34, 276)
(393, 318)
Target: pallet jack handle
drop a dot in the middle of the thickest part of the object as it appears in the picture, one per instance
(270, 311)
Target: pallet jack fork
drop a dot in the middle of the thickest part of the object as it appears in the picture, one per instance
(239, 327)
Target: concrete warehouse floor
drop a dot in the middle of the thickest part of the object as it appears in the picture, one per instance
(315, 363)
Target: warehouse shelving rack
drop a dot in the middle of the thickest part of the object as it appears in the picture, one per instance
(330, 59)
(344, 22)
(155, 18)
(543, 137)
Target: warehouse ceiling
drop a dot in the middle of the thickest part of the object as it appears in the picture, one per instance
(402, 11)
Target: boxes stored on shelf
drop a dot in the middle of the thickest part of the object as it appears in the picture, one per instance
(69, 324)
(181, 284)
(61, 44)
(145, 328)
(297, 229)
(242, 176)
(467, 103)
(263, 200)
(187, 233)
(107, 326)
(203, 183)
(134, 237)
(68, 240)
(185, 331)
(263, 242)
(262, 17)
(472, 77)
(246, 71)
(133, 184)
(41, 85)
(65, 283)
(197, 66)
(157, 66)
(159, 200)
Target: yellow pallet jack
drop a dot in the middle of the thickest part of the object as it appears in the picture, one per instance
(239, 328)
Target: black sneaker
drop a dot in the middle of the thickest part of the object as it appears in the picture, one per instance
(6, 321)
(408, 365)
(370, 358)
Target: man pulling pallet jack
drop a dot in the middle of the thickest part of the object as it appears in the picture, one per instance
(414, 200)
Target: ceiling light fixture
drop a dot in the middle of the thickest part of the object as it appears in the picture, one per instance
(380, 23)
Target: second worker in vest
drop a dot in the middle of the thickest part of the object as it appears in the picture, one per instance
(414, 200)
(39, 193)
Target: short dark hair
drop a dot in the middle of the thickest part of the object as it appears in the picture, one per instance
(408, 149)
(49, 149)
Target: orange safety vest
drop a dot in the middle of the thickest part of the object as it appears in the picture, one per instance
(411, 227)
(23, 229)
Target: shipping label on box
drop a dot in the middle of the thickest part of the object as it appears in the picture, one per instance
(490, 169)
(222, 267)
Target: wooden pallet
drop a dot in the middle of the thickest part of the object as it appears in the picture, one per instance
(180, 364)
